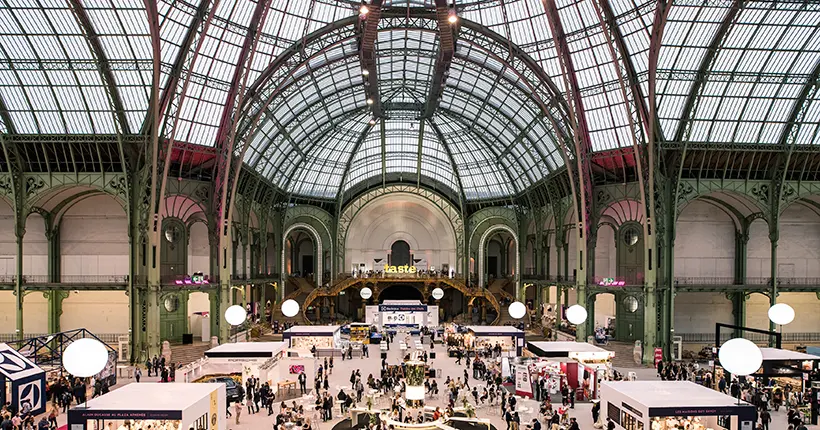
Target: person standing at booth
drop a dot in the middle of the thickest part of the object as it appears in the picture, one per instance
(302, 383)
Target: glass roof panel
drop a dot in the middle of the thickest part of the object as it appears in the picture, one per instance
(755, 79)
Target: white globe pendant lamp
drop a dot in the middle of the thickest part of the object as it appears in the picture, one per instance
(85, 357)
(740, 356)
(290, 308)
(576, 314)
(366, 293)
(517, 310)
(781, 313)
(235, 315)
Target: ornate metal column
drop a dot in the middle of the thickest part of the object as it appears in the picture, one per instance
(19, 232)
(774, 236)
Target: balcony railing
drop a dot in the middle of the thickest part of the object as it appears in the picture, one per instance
(67, 279)
(709, 338)
(725, 280)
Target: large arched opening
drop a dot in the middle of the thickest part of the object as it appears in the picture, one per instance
(400, 292)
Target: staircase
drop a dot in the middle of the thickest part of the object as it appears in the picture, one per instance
(623, 354)
(184, 354)
(499, 288)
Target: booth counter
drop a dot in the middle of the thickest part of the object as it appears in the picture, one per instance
(160, 406)
(510, 338)
(308, 336)
(665, 405)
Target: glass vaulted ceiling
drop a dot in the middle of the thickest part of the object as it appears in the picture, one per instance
(486, 140)
(85, 67)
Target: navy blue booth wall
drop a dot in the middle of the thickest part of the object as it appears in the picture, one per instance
(28, 381)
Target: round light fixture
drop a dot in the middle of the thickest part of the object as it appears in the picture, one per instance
(365, 72)
(372, 122)
(576, 314)
(235, 315)
(85, 357)
(438, 293)
(290, 308)
(453, 18)
(781, 313)
(370, 101)
(366, 293)
(740, 356)
(363, 10)
(517, 310)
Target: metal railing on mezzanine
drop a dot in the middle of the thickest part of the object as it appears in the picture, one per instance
(709, 338)
(757, 280)
(67, 279)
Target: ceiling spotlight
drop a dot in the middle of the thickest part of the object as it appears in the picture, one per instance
(365, 72)
(372, 121)
(370, 101)
(453, 18)
(363, 10)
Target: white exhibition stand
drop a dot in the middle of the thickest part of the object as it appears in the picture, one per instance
(270, 362)
(630, 402)
(401, 313)
(183, 406)
(323, 337)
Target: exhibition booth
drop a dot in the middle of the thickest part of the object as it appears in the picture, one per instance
(584, 365)
(323, 337)
(21, 381)
(645, 405)
(270, 362)
(401, 313)
(509, 338)
(154, 406)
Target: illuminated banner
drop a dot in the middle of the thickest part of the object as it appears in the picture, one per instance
(402, 308)
(611, 282)
(399, 269)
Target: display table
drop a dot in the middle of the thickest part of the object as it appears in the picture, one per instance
(154, 405)
(290, 386)
(663, 405)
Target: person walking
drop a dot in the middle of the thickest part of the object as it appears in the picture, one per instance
(237, 408)
(137, 374)
(148, 366)
(765, 418)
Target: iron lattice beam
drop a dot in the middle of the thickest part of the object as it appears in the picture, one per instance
(447, 48)
(367, 57)
(97, 50)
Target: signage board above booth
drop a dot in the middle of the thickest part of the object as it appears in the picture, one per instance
(399, 269)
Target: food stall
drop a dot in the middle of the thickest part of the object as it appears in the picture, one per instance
(155, 406)
(669, 405)
(360, 332)
(323, 337)
(510, 338)
(584, 364)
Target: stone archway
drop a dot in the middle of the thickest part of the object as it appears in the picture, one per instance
(318, 261)
(481, 246)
